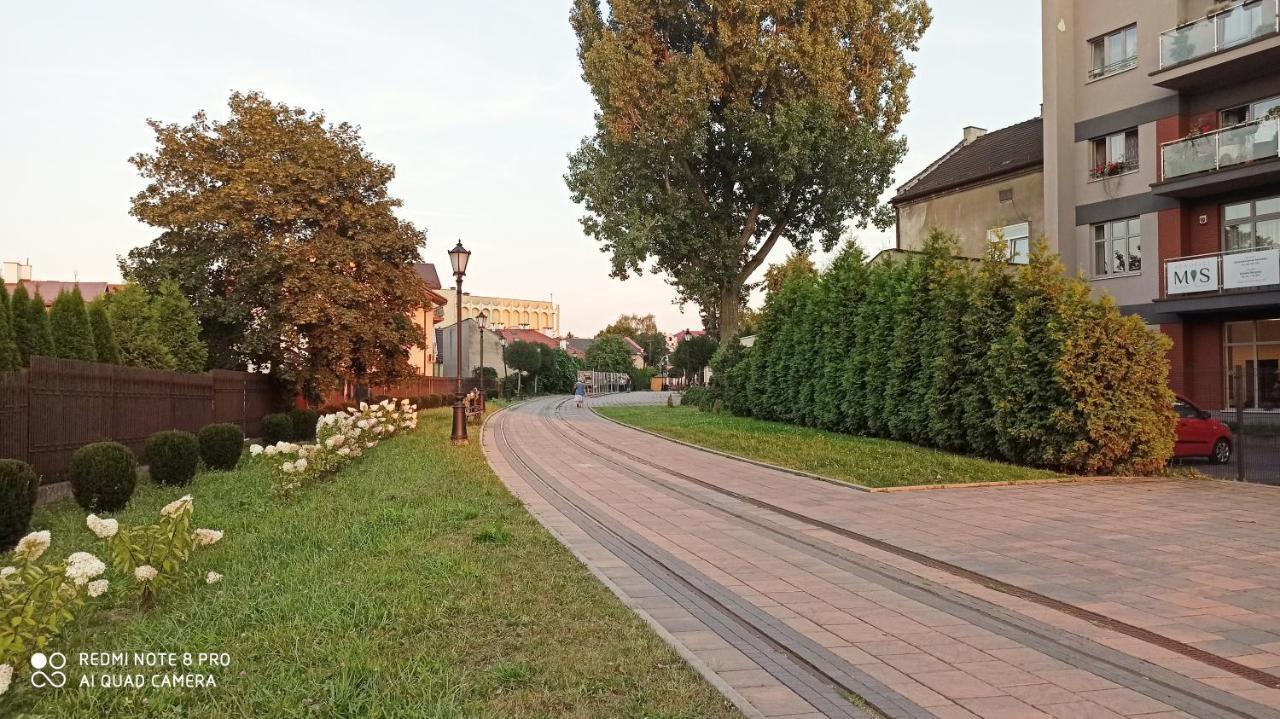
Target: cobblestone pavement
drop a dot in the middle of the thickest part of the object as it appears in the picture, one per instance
(800, 598)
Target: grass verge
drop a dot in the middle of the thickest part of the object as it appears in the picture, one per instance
(875, 463)
(412, 585)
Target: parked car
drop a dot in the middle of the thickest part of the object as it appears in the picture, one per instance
(1200, 435)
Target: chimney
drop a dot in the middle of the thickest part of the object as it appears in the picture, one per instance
(972, 133)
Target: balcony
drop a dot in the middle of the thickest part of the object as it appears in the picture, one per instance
(1222, 160)
(1220, 46)
(1235, 279)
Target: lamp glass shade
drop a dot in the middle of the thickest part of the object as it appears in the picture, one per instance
(458, 257)
(482, 319)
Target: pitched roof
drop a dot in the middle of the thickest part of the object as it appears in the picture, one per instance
(522, 335)
(49, 289)
(995, 154)
(427, 272)
(579, 344)
(635, 348)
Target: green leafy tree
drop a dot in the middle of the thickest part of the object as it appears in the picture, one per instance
(691, 356)
(40, 333)
(643, 330)
(137, 331)
(840, 293)
(279, 227)
(725, 126)
(69, 325)
(987, 313)
(104, 337)
(10, 357)
(557, 370)
(23, 330)
(523, 357)
(608, 354)
(179, 329)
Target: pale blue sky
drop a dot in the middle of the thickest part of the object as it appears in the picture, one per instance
(476, 104)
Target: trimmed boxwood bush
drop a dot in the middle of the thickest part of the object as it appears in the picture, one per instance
(221, 445)
(173, 457)
(693, 396)
(277, 428)
(18, 486)
(304, 424)
(103, 476)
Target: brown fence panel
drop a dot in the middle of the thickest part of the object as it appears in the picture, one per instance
(259, 400)
(13, 415)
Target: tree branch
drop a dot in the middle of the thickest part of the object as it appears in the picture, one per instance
(757, 259)
(749, 227)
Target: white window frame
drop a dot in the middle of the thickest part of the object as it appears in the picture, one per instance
(1018, 239)
(1114, 52)
(1252, 219)
(1109, 240)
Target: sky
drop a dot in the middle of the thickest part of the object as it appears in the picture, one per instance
(477, 104)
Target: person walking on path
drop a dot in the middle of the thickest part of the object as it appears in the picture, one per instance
(580, 391)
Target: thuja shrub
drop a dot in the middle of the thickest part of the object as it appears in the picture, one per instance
(221, 445)
(277, 427)
(173, 457)
(103, 476)
(18, 487)
(978, 357)
(304, 424)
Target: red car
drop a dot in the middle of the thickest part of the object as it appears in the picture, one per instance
(1200, 435)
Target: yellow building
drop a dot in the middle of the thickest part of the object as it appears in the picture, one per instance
(425, 358)
(504, 312)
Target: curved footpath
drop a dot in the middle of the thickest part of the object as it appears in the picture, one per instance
(800, 598)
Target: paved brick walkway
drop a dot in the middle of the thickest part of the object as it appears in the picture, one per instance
(734, 566)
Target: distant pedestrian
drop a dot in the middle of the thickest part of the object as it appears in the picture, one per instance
(580, 392)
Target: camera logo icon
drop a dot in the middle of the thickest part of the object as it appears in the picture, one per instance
(46, 670)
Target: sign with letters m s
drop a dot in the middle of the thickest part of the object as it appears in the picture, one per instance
(1198, 275)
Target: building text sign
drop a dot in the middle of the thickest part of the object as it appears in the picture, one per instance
(1251, 269)
(1198, 275)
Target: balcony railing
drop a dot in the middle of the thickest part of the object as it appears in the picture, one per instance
(1219, 31)
(1220, 149)
(1248, 268)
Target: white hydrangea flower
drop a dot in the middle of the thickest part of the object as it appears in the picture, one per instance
(32, 546)
(6, 677)
(103, 528)
(363, 424)
(287, 468)
(205, 537)
(300, 465)
(6, 571)
(345, 451)
(82, 566)
(145, 573)
(212, 578)
(98, 588)
(175, 508)
(255, 450)
(364, 407)
(271, 451)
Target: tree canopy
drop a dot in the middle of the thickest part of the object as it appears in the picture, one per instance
(10, 357)
(137, 331)
(69, 327)
(279, 228)
(608, 354)
(104, 336)
(179, 328)
(643, 330)
(725, 126)
(692, 355)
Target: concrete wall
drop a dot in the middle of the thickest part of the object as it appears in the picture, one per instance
(470, 349)
(540, 315)
(972, 212)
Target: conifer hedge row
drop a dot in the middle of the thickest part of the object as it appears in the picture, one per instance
(1019, 364)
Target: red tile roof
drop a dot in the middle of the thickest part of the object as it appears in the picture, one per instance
(995, 154)
(522, 335)
(49, 289)
(427, 272)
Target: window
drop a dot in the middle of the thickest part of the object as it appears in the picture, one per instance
(1018, 238)
(1253, 225)
(1247, 113)
(1115, 154)
(1117, 247)
(1114, 52)
(1253, 349)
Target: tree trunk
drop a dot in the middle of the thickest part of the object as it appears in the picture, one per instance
(729, 314)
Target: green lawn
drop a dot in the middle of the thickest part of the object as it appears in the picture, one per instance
(859, 460)
(412, 585)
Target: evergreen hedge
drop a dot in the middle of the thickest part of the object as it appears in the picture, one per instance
(103, 476)
(976, 357)
(69, 326)
(18, 487)
(277, 427)
(304, 424)
(221, 445)
(173, 457)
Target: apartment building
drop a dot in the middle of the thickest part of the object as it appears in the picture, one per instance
(1162, 176)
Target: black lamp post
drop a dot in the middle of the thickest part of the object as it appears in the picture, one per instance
(458, 257)
(688, 337)
(502, 340)
(482, 319)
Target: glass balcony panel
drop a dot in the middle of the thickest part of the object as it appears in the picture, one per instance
(1189, 156)
(1207, 35)
(1224, 148)
(1246, 143)
(1188, 42)
(1244, 23)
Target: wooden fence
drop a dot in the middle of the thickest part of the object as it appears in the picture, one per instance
(57, 406)
(410, 387)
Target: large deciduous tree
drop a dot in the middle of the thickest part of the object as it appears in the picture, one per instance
(643, 330)
(279, 227)
(608, 354)
(725, 126)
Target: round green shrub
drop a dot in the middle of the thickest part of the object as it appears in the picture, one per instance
(173, 457)
(277, 428)
(221, 445)
(693, 396)
(103, 476)
(18, 487)
(304, 424)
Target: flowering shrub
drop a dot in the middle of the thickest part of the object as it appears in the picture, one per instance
(341, 437)
(154, 554)
(36, 600)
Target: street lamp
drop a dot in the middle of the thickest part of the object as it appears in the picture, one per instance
(482, 319)
(458, 257)
(688, 336)
(502, 340)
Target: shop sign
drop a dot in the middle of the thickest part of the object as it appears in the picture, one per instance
(1198, 275)
(1251, 269)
